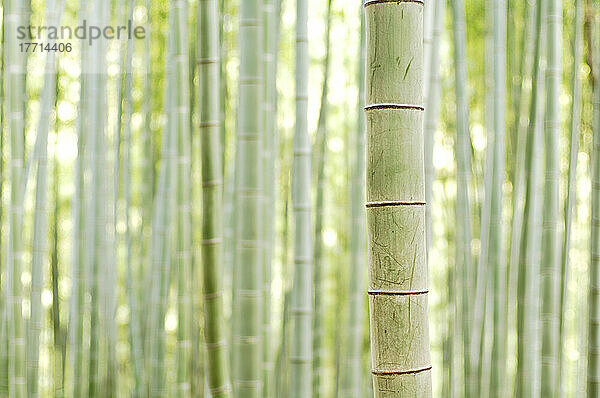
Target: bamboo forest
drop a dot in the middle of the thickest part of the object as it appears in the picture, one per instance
(300, 198)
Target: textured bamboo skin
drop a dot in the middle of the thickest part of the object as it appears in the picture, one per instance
(396, 200)
(249, 292)
(212, 194)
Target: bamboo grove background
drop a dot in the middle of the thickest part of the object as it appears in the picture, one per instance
(184, 215)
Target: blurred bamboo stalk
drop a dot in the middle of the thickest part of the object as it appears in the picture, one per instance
(320, 265)
(217, 368)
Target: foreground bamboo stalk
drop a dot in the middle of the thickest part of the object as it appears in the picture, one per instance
(396, 200)
(212, 194)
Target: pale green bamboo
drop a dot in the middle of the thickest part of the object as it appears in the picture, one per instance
(318, 346)
(497, 259)
(76, 349)
(528, 354)
(269, 183)
(183, 241)
(135, 337)
(40, 230)
(432, 110)
(212, 193)
(301, 306)
(3, 314)
(161, 229)
(147, 189)
(593, 347)
(396, 200)
(463, 182)
(353, 380)
(15, 115)
(248, 342)
(59, 332)
(97, 211)
(571, 200)
(521, 102)
(550, 265)
(479, 360)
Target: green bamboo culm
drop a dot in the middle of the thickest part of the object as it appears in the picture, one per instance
(496, 257)
(319, 261)
(183, 235)
(463, 207)
(162, 226)
(301, 309)
(593, 372)
(528, 355)
(550, 264)
(248, 293)
(398, 285)
(212, 194)
(571, 199)
(14, 67)
(96, 212)
(135, 336)
(40, 230)
(269, 183)
(432, 107)
(76, 350)
(354, 380)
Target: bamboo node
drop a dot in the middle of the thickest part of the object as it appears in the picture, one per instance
(385, 203)
(397, 292)
(371, 2)
(391, 105)
(400, 372)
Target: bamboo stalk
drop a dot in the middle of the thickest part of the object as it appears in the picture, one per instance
(76, 350)
(463, 208)
(269, 183)
(550, 264)
(571, 199)
(40, 242)
(212, 193)
(14, 88)
(354, 379)
(528, 289)
(318, 345)
(248, 341)
(301, 306)
(496, 246)
(396, 197)
(593, 349)
(183, 242)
